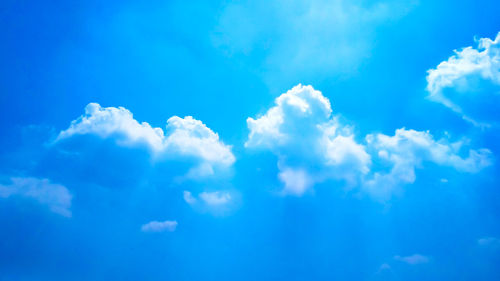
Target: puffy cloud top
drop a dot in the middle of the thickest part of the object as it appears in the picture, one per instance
(184, 137)
(311, 144)
(278, 126)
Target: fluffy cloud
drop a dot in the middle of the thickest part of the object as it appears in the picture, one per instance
(413, 259)
(159, 226)
(184, 138)
(312, 146)
(409, 149)
(467, 79)
(55, 196)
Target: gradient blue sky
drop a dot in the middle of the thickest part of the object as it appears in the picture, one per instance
(327, 140)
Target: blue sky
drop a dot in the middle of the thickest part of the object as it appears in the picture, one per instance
(250, 140)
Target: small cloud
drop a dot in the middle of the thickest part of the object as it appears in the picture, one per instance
(55, 196)
(443, 180)
(384, 266)
(296, 181)
(218, 203)
(413, 259)
(490, 242)
(215, 198)
(189, 198)
(159, 226)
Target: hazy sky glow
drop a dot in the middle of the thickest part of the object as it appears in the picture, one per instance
(250, 140)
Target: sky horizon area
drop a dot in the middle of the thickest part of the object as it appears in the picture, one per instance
(250, 140)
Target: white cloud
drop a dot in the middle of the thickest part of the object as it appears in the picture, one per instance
(184, 138)
(296, 181)
(159, 226)
(463, 72)
(217, 203)
(312, 147)
(189, 198)
(409, 149)
(215, 198)
(55, 196)
(413, 259)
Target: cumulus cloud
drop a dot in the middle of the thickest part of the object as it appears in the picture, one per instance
(55, 196)
(184, 138)
(159, 226)
(413, 259)
(469, 81)
(409, 149)
(313, 146)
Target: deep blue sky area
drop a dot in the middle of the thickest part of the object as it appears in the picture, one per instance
(299, 140)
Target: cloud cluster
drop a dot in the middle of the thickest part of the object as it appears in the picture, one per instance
(409, 149)
(469, 81)
(313, 146)
(159, 226)
(184, 138)
(55, 196)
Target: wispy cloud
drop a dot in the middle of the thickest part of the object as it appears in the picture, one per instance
(490, 242)
(159, 226)
(316, 37)
(55, 196)
(414, 259)
(215, 198)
